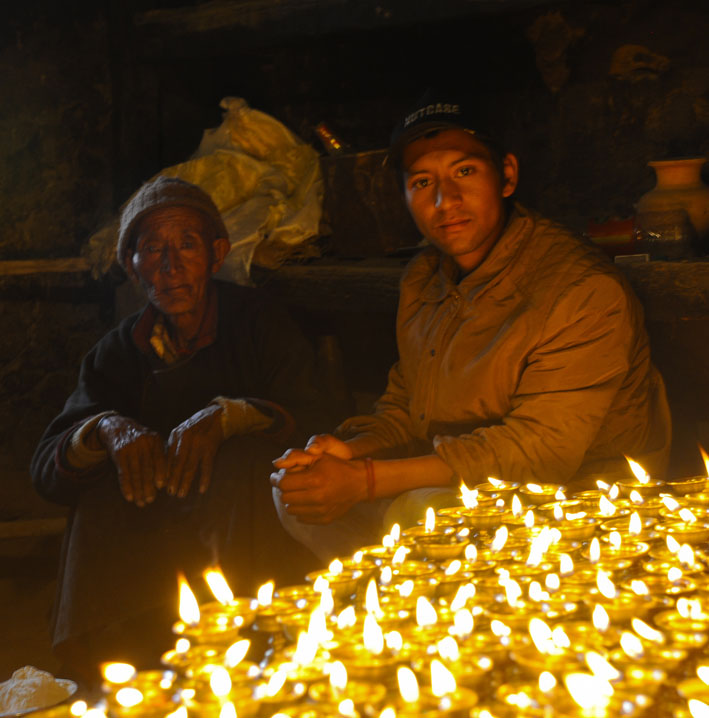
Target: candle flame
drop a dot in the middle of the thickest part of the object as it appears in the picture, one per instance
(218, 585)
(687, 516)
(129, 697)
(399, 555)
(558, 513)
(394, 641)
(430, 520)
(117, 673)
(686, 555)
(327, 601)
(615, 540)
(219, 681)
(336, 567)
(468, 496)
(600, 618)
(513, 591)
(495, 483)
(600, 667)
(636, 497)
(529, 519)
(639, 587)
(395, 532)
(698, 708)
(442, 680)
(635, 525)
(228, 710)
(560, 495)
(338, 676)
(588, 691)
(673, 545)
(275, 683)
(614, 492)
(453, 568)
(632, 646)
(705, 457)
(500, 538)
(448, 649)
(425, 612)
(542, 636)
(371, 599)
(471, 553)
(264, 595)
(547, 682)
(640, 474)
(534, 489)
(500, 629)
(594, 550)
(552, 581)
(372, 635)
(606, 507)
(674, 574)
(347, 618)
(516, 506)
(462, 596)
(236, 653)
(406, 588)
(189, 608)
(408, 685)
(566, 564)
(605, 584)
(670, 502)
(647, 632)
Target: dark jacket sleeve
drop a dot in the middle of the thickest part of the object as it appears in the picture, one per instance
(108, 380)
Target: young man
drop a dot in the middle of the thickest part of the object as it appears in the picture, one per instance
(163, 450)
(522, 355)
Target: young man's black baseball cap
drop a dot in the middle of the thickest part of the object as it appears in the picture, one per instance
(438, 110)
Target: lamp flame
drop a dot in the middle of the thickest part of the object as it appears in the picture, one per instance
(588, 691)
(632, 646)
(448, 649)
(371, 599)
(338, 677)
(442, 680)
(372, 635)
(639, 587)
(218, 585)
(600, 618)
(189, 608)
(399, 555)
(600, 667)
(636, 497)
(615, 540)
(547, 682)
(686, 555)
(703, 673)
(430, 520)
(687, 516)
(228, 710)
(640, 474)
(635, 525)
(336, 567)
(594, 550)
(500, 538)
(220, 681)
(566, 564)
(698, 708)
(129, 697)
(606, 507)
(471, 553)
(705, 457)
(408, 685)
(516, 506)
(264, 595)
(495, 483)
(468, 496)
(605, 584)
(647, 632)
(117, 673)
(236, 653)
(425, 612)
(673, 545)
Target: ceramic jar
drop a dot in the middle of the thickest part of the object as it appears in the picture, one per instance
(672, 219)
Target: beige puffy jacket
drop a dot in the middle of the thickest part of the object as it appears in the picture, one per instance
(534, 367)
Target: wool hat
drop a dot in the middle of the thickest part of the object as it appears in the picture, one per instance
(155, 194)
(439, 110)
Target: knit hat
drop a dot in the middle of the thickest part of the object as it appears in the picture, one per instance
(163, 192)
(439, 110)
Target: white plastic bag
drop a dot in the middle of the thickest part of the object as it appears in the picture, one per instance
(264, 180)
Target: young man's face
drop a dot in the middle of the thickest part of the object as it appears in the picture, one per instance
(455, 193)
(174, 258)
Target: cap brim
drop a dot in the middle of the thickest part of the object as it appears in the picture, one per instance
(393, 156)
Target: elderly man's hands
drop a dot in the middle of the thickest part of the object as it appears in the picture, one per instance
(145, 464)
(191, 449)
(320, 483)
(138, 455)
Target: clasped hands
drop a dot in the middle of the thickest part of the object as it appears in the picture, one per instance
(321, 482)
(146, 464)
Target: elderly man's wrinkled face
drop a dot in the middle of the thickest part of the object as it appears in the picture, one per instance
(174, 258)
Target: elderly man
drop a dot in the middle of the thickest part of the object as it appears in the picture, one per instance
(163, 450)
(522, 355)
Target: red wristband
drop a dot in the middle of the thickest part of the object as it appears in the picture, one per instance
(369, 466)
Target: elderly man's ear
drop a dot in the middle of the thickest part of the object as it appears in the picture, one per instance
(220, 249)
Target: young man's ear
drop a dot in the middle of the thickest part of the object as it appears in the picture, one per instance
(220, 249)
(510, 174)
